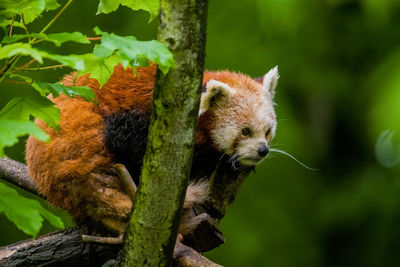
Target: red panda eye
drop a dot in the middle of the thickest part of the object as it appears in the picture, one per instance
(246, 131)
(268, 132)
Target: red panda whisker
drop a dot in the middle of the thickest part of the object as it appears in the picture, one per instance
(233, 160)
(223, 154)
(292, 157)
(80, 178)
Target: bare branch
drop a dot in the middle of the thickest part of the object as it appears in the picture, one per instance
(102, 240)
(66, 248)
(225, 183)
(11, 26)
(63, 248)
(16, 173)
(185, 256)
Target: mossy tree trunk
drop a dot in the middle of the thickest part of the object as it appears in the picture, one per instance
(152, 230)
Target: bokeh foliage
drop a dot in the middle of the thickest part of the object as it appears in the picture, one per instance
(339, 62)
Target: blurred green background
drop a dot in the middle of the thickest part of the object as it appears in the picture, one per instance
(339, 62)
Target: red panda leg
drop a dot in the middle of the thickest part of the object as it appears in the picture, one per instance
(196, 193)
(108, 204)
(74, 170)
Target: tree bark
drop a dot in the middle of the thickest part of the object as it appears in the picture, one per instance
(152, 229)
(16, 173)
(225, 183)
(62, 248)
(66, 248)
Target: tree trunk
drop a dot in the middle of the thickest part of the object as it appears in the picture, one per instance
(152, 229)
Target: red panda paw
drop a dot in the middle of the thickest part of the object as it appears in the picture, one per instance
(107, 203)
(190, 223)
(196, 193)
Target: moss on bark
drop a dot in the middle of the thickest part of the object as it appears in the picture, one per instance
(152, 230)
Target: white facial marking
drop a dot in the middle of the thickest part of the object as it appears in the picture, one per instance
(217, 92)
(244, 110)
(223, 87)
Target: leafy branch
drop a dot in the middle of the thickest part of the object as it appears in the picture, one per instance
(20, 44)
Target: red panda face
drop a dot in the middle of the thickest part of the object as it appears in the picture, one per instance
(244, 117)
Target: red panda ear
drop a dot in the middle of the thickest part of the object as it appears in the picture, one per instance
(269, 81)
(216, 94)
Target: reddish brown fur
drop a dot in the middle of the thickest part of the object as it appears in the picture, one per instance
(75, 166)
(234, 80)
(74, 170)
(123, 91)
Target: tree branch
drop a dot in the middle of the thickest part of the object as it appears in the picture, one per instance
(16, 173)
(63, 248)
(66, 248)
(225, 183)
(185, 256)
(73, 247)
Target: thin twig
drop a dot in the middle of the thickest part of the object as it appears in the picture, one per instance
(56, 17)
(102, 240)
(25, 65)
(16, 82)
(10, 65)
(11, 26)
(41, 68)
(25, 28)
(94, 38)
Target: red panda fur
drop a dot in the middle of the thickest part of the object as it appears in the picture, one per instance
(74, 170)
(123, 91)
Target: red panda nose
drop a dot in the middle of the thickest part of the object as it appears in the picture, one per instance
(263, 150)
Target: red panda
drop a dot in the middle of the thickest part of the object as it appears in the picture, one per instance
(74, 171)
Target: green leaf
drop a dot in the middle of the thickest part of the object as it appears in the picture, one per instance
(10, 130)
(17, 37)
(108, 6)
(11, 50)
(57, 88)
(73, 61)
(27, 214)
(7, 23)
(115, 49)
(30, 8)
(151, 6)
(8, 51)
(102, 52)
(52, 4)
(22, 77)
(59, 38)
(386, 152)
(20, 108)
(56, 38)
(99, 68)
(137, 53)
